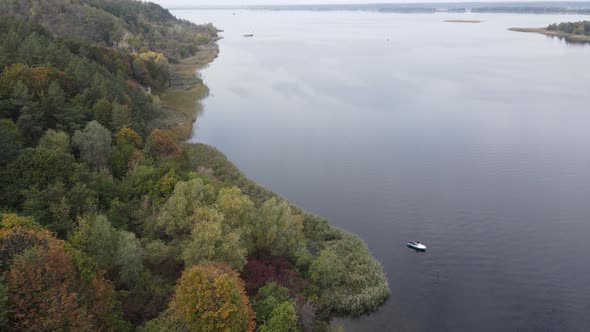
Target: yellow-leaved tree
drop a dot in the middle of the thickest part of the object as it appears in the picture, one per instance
(211, 297)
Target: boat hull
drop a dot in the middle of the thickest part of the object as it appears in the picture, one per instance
(418, 247)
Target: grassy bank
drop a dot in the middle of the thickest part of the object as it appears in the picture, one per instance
(570, 37)
(181, 100)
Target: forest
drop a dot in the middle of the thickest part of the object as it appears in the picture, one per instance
(109, 222)
(577, 28)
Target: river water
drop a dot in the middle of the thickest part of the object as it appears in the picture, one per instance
(470, 138)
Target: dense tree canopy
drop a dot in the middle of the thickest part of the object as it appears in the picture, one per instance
(214, 241)
(94, 144)
(10, 141)
(184, 208)
(49, 287)
(115, 251)
(55, 140)
(578, 28)
(108, 222)
(276, 231)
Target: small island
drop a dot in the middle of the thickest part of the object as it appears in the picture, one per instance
(463, 21)
(574, 32)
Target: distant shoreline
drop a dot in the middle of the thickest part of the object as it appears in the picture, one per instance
(570, 37)
(463, 21)
(522, 7)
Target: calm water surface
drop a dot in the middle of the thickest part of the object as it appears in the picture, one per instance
(468, 137)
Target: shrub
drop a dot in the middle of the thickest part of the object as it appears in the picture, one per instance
(259, 272)
(352, 281)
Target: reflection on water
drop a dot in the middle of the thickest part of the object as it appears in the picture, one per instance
(471, 138)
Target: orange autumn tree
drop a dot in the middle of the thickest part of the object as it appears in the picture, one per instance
(50, 285)
(36, 79)
(129, 136)
(162, 144)
(211, 297)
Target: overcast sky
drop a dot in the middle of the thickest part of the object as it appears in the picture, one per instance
(172, 3)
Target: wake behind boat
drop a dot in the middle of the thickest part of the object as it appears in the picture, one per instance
(416, 246)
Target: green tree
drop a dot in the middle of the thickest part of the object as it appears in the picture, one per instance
(31, 119)
(103, 112)
(52, 105)
(267, 299)
(121, 116)
(275, 231)
(94, 144)
(34, 169)
(129, 261)
(157, 252)
(179, 214)
(122, 154)
(118, 252)
(50, 207)
(213, 241)
(56, 140)
(236, 207)
(42, 166)
(126, 150)
(140, 71)
(10, 141)
(282, 319)
(3, 303)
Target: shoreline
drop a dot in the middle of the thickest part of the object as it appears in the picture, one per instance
(569, 37)
(182, 99)
(183, 103)
(463, 21)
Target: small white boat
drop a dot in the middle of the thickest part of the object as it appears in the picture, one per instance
(416, 246)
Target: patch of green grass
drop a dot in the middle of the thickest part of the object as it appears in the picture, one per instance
(181, 101)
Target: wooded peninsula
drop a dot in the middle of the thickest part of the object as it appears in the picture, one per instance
(574, 32)
(110, 221)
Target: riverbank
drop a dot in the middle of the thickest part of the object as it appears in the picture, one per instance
(570, 37)
(181, 100)
(328, 249)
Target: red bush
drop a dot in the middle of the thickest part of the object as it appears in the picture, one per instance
(260, 271)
